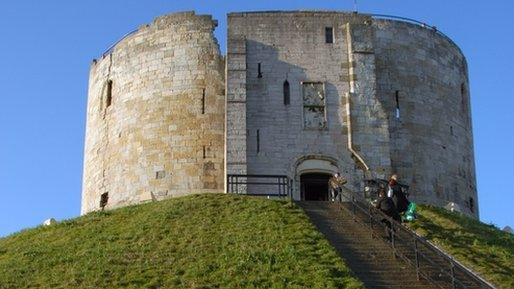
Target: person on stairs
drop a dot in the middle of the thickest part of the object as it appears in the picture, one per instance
(386, 205)
(395, 192)
(336, 183)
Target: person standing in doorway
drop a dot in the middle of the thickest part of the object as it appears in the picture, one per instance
(336, 183)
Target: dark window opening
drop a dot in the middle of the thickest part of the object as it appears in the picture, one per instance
(108, 98)
(451, 130)
(258, 141)
(463, 95)
(160, 174)
(104, 198)
(259, 72)
(287, 93)
(329, 35)
(204, 152)
(471, 204)
(397, 98)
(203, 101)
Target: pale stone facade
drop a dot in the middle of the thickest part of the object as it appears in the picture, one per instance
(306, 92)
(163, 133)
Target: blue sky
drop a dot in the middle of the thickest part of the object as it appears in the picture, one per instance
(46, 48)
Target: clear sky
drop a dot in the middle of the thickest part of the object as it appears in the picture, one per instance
(46, 48)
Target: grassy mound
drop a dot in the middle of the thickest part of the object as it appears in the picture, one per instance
(483, 248)
(202, 241)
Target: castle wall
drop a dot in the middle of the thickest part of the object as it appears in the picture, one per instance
(432, 138)
(370, 64)
(291, 47)
(305, 92)
(163, 133)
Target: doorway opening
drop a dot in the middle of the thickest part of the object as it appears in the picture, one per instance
(314, 186)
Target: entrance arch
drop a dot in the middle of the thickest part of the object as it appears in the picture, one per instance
(311, 177)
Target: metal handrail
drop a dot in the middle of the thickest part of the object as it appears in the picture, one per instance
(412, 21)
(238, 184)
(405, 19)
(416, 249)
(111, 48)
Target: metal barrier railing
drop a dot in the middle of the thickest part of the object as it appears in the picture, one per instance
(111, 48)
(260, 185)
(412, 21)
(429, 261)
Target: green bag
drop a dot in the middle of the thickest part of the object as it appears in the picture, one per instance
(410, 214)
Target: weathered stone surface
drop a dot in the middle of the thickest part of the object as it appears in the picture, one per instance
(395, 99)
(165, 124)
(372, 67)
(431, 141)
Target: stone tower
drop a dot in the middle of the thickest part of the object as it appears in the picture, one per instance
(155, 117)
(308, 93)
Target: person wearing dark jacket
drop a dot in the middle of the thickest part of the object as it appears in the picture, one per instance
(395, 192)
(386, 205)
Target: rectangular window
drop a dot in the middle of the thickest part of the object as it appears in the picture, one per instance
(397, 98)
(259, 71)
(104, 198)
(108, 98)
(287, 93)
(463, 96)
(258, 141)
(329, 35)
(203, 101)
(314, 114)
(160, 175)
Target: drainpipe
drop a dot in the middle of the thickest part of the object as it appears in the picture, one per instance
(351, 81)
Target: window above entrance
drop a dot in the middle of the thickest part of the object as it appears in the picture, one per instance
(314, 112)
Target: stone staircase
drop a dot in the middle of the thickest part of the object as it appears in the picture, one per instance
(371, 259)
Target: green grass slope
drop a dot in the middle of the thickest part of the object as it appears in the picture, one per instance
(483, 248)
(202, 241)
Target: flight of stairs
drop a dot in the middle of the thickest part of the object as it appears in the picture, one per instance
(371, 259)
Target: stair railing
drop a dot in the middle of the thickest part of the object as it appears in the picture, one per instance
(429, 261)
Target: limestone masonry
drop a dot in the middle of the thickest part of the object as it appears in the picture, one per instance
(300, 93)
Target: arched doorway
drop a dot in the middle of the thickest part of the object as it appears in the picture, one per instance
(311, 175)
(314, 186)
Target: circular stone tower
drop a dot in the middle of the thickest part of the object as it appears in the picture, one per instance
(155, 116)
(422, 78)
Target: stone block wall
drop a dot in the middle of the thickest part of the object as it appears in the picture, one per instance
(155, 117)
(291, 46)
(300, 92)
(432, 140)
(396, 99)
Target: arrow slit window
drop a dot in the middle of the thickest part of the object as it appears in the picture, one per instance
(314, 110)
